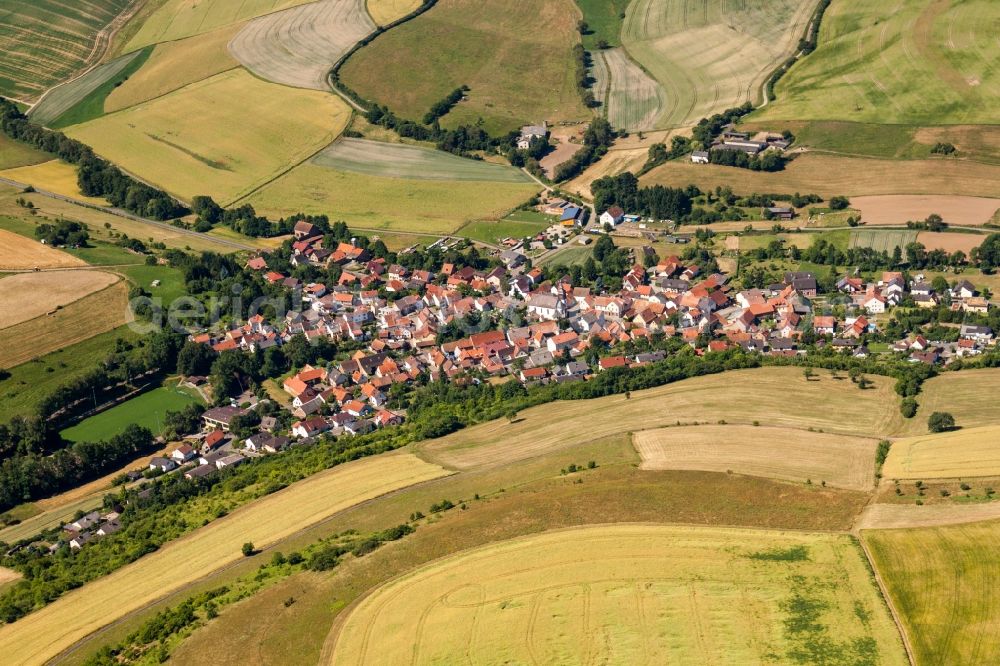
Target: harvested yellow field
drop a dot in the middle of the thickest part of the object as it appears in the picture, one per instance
(969, 395)
(47, 632)
(20, 253)
(942, 582)
(779, 453)
(174, 65)
(832, 175)
(900, 209)
(963, 453)
(177, 19)
(53, 176)
(30, 295)
(738, 397)
(629, 594)
(223, 136)
(384, 12)
(78, 321)
(891, 516)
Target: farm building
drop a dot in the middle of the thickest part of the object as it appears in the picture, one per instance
(700, 157)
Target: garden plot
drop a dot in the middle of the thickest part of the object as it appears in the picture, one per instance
(299, 46)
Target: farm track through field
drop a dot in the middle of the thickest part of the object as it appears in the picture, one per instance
(298, 46)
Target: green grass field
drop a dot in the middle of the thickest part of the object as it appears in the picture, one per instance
(146, 410)
(83, 99)
(882, 240)
(661, 594)
(394, 160)
(30, 382)
(494, 231)
(604, 20)
(224, 136)
(709, 55)
(389, 204)
(942, 582)
(45, 42)
(519, 71)
(915, 61)
(15, 154)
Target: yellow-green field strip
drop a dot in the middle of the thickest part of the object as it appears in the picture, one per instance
(46, 633)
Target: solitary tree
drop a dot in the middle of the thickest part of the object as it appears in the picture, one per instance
(248, 549)
(940, 422)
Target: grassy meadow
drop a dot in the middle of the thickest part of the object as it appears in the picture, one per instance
(388, 204)
(604, 21)
(489, 231)
(146, 410)
(941, 581)
(16, 154)
(173, 65)
(710, 55)
(45, 42)
(660, 594)
(223, 136)
(922, 62)
(49, 631)
(968, 395)
(519, 71)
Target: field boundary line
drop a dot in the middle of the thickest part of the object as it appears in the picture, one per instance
(884, 591)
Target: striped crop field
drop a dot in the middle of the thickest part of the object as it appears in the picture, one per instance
(631, 99)
(178, 19)
(45, 42)
(299, 46)
(60, 100)
(882, 240)
(710, 55)
(393, 160)
(924, 62)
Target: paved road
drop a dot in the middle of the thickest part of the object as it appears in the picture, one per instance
(236, 245)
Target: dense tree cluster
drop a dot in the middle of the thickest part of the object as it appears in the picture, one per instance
(442, 107)
(708, 128)
(63, 232)
(596, 141)
(657, 201)
(766, 161)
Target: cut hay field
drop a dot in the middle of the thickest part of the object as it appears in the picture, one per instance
(739, 397)
(660, 594)
(896, 516)
(16, 154)
(780, 453)
(395, 160)
(173, 65)
(519, 71)
(53, 176)
(45, 633)
(710, 55)
(630, 99)
(80, 320)
(950, 242)
(60, 106)
(30, 295)
(20, 253)
(911, 61)
(832, 175)
(384, 12)
(178, 19)
(942, 582)
(298, 46)
(969, 395)
(45, 42)
(146, 410)
(886, 240)
(223, 136)
(388, 204)
(965, 453)
(900, 209)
